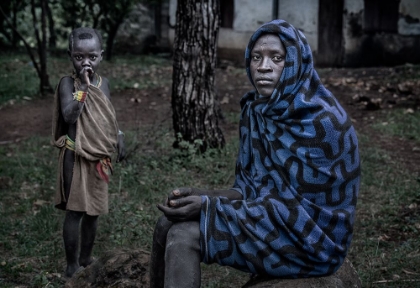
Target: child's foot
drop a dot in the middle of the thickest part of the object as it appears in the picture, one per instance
(71, 269)
(85, 263)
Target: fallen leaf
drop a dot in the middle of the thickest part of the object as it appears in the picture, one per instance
(40, 202)
(225, 100)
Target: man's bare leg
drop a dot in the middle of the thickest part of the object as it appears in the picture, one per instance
(157, 258)
(183, 256)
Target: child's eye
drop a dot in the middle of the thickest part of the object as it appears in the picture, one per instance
(78, 57)
(93, 58)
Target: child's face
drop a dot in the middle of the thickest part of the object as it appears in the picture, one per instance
(86, 54)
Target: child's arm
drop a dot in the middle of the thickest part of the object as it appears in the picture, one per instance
(72, 103)
(70, 108)
(121, 146)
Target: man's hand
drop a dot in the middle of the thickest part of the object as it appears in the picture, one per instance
(182, 192)
(182, 209)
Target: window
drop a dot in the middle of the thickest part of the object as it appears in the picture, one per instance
(381, 15)
(226, 13)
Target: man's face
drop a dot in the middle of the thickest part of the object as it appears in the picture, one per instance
(86, 53)
(267, 63)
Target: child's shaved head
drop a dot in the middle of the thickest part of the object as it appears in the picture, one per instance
(83, 33)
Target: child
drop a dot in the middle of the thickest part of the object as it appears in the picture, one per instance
(86, 131)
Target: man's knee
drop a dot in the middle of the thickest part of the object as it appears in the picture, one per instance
(185, 234)
(161, 230)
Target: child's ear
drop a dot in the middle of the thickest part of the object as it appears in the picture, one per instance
(69, 53)
(102, 54)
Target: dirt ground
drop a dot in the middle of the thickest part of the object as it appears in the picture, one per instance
(366, 94)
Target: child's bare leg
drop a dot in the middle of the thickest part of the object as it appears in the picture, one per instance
(71, 241)
(72, 220)
(157, 258)
(88, 230)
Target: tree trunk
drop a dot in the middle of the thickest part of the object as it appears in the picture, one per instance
(52, 43)
(194, 104)
(45, 81)
(112, 33)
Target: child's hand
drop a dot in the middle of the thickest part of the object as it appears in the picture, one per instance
(85, 74)
(121, 148)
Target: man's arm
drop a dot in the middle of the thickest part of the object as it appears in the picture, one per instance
(184, 192)
(184, 204)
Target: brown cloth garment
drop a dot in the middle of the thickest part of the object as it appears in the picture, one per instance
(96, 139)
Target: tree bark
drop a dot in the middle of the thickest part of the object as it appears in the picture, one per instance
(52, 43)
(41, 39)
(194, 105)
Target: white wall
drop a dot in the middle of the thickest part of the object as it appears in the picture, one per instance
(248, 16)
(412, 8)
(305, 19)
(354, 10)
(251, 14)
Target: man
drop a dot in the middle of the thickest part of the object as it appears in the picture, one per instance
(290, 212)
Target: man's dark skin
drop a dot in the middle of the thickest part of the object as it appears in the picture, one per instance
(176, 255)
(86, 54)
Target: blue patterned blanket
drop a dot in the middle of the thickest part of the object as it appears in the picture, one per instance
(298, 171)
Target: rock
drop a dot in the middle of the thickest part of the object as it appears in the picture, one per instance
(119, 269)
(345, 277)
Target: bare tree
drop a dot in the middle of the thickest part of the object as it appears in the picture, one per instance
(194, 105)
(40, 31)
(9, 16)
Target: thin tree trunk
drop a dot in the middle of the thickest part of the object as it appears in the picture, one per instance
(52, 43)
(27, 46)
(194, 104)
(45, 81)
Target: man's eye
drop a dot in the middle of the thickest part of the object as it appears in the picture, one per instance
(256, 57)
(278, 58)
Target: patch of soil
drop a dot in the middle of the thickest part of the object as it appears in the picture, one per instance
(365, 93)
(115, 269)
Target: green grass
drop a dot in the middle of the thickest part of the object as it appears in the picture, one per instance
(403, 123)
(30, 233)
(387, 228)
(385, 246)
(19, 80)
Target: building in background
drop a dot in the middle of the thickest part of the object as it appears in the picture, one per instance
(340, 32)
